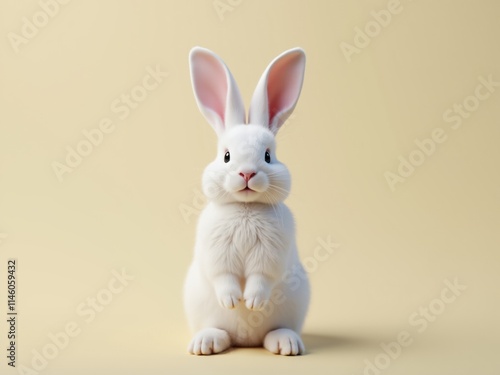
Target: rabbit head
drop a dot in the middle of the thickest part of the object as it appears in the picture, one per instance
(246, 168)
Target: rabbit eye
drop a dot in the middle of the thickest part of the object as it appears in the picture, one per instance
(227, 157)
(267, 157)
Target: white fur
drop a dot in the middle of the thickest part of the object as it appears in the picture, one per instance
(241, 288)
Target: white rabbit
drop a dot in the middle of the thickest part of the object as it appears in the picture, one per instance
(246, 285)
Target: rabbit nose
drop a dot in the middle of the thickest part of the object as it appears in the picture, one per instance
(247, 176)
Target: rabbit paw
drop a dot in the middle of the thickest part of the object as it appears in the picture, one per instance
(229, 300)
(284, 341)
(257, 300)
(257, 293)
(228, 291)
(209, 341)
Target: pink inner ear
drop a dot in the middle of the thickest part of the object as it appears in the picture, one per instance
(210, 83)
(283, 85)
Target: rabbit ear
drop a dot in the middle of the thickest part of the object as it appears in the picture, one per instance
(216, 92)
(278, 90)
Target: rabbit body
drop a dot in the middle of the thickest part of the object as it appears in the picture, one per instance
(253, 229)
(246, 285)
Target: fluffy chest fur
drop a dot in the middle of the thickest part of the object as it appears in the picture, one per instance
(244, 238)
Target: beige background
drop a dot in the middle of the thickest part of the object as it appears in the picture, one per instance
(121, 207)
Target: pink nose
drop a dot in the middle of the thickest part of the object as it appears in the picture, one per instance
(247, 176)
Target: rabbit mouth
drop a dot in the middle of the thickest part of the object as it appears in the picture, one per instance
(246, 189)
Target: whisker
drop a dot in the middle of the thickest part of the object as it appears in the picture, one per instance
(273, 203)
(278, 188)
(277, 173)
